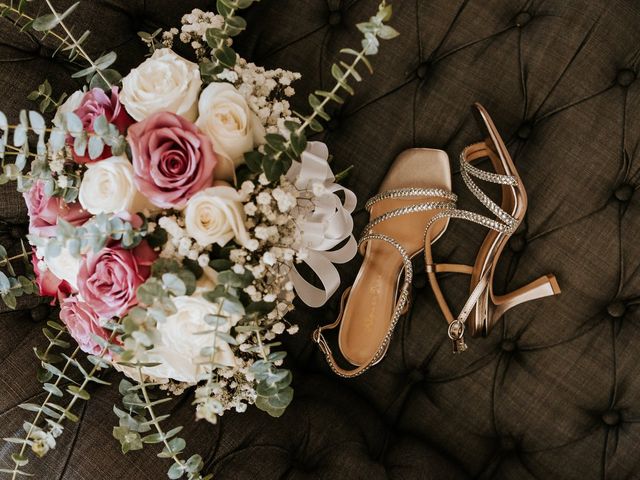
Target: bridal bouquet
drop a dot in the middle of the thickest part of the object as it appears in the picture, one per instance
(168, 211)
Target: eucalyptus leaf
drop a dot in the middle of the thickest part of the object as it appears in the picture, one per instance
(4, 124)
(73, 123)
(52, 20)
(37, 122)
(19, 136)
(176, 471)
(105, 79)
(96, 147)
(57, 139)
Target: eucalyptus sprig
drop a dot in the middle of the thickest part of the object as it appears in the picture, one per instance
(222, 55)
(140, 417)
(13, 285)
(97, 72)
(92, 236)
(44, 95)
(41, 436)
(277, 154)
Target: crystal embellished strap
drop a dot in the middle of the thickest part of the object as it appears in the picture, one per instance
(401, 303)
(467, 171)
(505, 224)
(418, 207)
(488, 176)
(411, 192)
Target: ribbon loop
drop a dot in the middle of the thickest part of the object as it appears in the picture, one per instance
(324, 223)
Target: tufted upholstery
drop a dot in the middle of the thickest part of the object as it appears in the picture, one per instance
(554, 391)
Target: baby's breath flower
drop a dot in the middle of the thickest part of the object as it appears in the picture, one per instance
(250, 209)
(278, 328)
(252, 245)
(269, 259)
(203, 260)
(264, 198)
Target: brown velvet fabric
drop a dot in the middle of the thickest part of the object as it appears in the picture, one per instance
(554, 391)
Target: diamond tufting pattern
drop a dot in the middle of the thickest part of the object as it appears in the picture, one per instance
(554, 391)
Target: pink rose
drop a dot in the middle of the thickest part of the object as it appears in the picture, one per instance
(82, 323)
(172, 159)
(109, 279)
(95, 103)
(44, 211)
(48, 284)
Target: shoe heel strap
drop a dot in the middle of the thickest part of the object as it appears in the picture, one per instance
(398, 311)
(318, 338)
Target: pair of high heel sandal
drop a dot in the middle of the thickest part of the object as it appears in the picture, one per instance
(413, 211)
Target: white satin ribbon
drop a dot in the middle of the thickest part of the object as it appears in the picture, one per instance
(325, 223)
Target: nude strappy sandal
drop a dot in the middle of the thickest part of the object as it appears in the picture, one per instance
(417, 187)
(484, 308)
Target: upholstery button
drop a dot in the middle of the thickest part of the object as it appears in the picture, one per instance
(508, 345)
(422, 71)
(333, 125)
(624, 192)
(525, 130)
(508, 444)
(39, 312)
(335, 18)
(517, 243)
(625, 77)
(522, 19)
(611, 418)
(415, 376)
(616, 309)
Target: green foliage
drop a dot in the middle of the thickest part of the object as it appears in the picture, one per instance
(222, 55)
(91, 236)
(12, 285)
(63, 377)
(97, 73)
(139, 424)
(105, 133)
(43, 95)
(275, 157)
(151, 39)
(273, 383)
(51, 144)
(342, 72)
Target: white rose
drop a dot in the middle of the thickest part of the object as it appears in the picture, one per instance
(108, 187)
(215, 215)
(180, 341)
(71, 104)
(232, 126)
(64, 266)
(165, 82)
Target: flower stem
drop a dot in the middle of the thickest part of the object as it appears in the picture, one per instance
(156, 423)
(324, 102)
(88, 377)
(46, 400)
(77, 45)
(335, 90)
(6, 261)
(29, 19)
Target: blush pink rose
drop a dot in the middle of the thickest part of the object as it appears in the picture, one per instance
(44, 211)
(97, 102)
(109, 279)
(172, 159)
(82, 323)
(48, 284)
